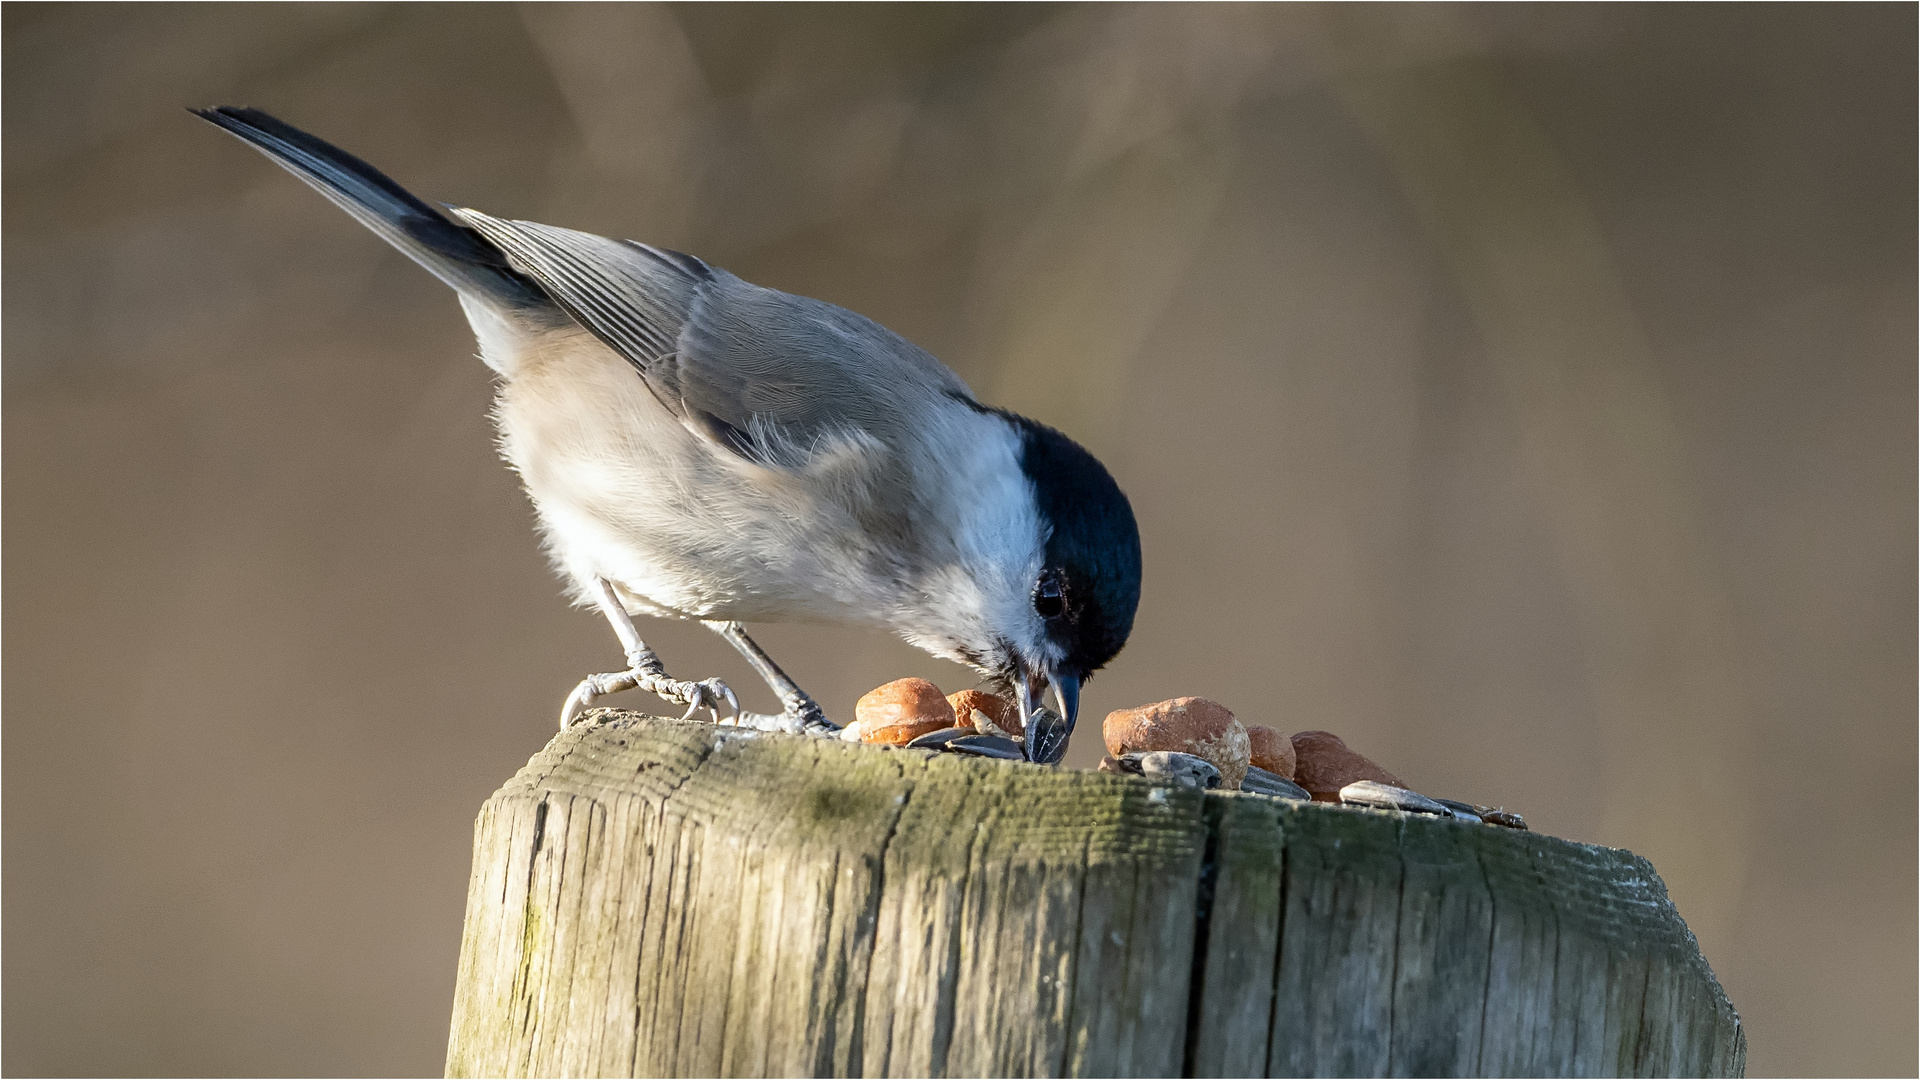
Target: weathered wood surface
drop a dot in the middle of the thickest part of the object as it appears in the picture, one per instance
(651, 897)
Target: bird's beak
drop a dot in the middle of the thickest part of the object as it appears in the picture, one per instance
(1047, 731)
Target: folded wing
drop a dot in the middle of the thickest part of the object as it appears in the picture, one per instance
(766, 374)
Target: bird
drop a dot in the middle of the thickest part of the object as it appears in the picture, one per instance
(697, 447)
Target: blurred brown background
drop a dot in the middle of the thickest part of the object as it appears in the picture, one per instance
(1525, 393)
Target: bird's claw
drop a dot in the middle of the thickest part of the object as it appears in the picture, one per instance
(708, 694)
(593, 687)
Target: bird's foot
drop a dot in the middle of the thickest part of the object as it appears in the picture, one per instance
(798, 716)
(709, 694)
(807, 718)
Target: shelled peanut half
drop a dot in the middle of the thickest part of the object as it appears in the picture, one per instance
(900, 712)
(913, 713)
(1183, 725)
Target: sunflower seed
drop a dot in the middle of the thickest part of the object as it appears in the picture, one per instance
(1387, 797)
(1171, 765)
(937, 740)
(1503, 818)
(1261, 782)
(969, 741)
(993, 746)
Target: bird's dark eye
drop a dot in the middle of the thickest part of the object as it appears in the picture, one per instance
(1047, 600)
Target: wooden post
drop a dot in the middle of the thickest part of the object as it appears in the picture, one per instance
(652, 897)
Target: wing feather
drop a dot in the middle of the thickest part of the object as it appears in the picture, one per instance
(629, 296)
(765, 374)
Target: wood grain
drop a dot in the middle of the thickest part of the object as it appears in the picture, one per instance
(652, 897)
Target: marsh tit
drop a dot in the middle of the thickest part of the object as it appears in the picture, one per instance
(698, 447)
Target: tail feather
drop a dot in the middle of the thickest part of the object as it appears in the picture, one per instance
(455, 254)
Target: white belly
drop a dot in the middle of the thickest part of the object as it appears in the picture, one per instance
(625, 492)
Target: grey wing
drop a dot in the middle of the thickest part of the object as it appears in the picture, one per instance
(762, 372)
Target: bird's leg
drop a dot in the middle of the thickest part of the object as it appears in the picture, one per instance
(644, 671)
(799, 714)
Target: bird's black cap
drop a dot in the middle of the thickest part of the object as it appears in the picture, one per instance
(1094, 546)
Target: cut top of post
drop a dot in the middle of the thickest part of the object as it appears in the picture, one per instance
(660, 897)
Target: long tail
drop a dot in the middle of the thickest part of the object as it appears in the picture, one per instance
(453, 253)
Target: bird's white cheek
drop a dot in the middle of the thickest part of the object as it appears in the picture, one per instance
(998, 538)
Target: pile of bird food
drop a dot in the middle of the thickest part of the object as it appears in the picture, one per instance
(1188, 741)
